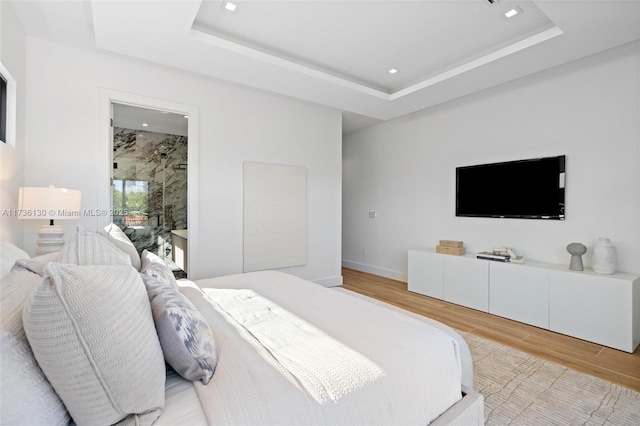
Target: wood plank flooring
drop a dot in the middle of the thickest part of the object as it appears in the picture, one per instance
(610, 364)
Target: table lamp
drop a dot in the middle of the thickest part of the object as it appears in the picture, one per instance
(49, 203)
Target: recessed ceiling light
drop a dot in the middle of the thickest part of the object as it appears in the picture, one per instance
(513, 12)
(393, 71)
(145, 125)
(231, 7)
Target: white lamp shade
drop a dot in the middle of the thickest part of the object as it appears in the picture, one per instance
(49, 203)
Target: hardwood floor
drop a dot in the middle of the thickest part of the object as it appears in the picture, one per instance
(610, 364)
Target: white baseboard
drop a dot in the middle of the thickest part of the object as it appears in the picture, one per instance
(370, 269)
(329, 282)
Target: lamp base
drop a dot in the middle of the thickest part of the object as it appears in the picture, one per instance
(51, 239)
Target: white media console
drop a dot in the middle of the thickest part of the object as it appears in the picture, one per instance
(604, 309)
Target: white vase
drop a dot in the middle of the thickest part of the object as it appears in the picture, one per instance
(605, 257)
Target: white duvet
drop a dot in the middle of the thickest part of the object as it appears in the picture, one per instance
(421, 364)
(311, 359)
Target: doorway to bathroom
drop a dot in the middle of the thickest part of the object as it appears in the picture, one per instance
(150, 181)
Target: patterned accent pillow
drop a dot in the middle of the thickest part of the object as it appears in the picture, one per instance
(90, 248)
(187, 340)
(153, 266)
(91, 331)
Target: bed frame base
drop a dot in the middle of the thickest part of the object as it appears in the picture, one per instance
(468, 411)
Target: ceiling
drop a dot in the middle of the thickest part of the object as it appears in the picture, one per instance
(149, 120)
(339, 53)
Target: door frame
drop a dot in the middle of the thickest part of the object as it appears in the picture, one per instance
(106, 97)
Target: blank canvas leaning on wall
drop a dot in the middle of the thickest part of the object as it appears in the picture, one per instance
(275, 216)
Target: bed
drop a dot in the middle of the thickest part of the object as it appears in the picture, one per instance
(256, 348)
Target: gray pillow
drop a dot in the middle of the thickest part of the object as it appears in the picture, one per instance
(185, 336)
(91, 331)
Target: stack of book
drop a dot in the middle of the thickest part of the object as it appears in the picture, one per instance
(493, 255)
(451, 247)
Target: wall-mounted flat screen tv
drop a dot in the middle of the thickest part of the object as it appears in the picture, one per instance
(525, 189)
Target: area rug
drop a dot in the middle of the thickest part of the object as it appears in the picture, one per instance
(521, 389)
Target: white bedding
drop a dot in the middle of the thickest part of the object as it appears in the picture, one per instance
(309, 358)
(421, 364)
(182, 406)
(416, 367)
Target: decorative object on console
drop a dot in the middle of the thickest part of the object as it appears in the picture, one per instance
(451, 247)
(501, 254)
(576, 250)
(605, 257)
(491, 255)
(49, 203)
(510, 252)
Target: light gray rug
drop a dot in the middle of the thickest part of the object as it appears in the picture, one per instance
(520, 389)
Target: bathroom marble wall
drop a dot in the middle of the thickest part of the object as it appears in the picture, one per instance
(161, 160)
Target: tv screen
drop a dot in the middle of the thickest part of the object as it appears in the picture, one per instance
(525, 189)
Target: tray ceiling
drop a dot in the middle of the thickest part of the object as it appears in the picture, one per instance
(339, 53)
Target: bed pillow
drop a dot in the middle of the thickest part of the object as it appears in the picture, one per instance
(86, 247)
(36, 264)
(187, 341)
(153, 266)
(26, 394)
(8, 256)
(120, 240)
(91, 331)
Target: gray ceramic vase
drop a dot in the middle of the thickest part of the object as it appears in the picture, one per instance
(576, 250)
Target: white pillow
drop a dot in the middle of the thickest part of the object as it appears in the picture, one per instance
(36, 264)
(91, 331)
(26, 395)
(120, 240)
(8, 256)
(90, 248)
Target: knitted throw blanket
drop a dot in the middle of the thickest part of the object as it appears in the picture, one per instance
(308, 357)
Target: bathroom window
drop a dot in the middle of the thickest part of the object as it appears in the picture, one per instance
(131, 197)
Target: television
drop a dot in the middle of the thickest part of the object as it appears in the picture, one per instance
(524, 189)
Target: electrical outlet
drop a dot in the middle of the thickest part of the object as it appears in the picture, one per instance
(372, 214)
(364, 251)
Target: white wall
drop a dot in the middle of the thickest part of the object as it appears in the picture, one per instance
(236, 125)
(405, 169)
(12, 47)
